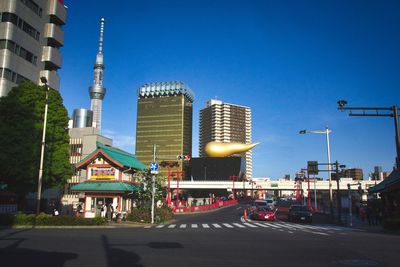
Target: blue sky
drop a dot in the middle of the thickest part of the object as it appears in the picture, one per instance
(290, 61)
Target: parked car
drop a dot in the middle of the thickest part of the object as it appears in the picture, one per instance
(259, 203)
(264, 213)
(299, 213)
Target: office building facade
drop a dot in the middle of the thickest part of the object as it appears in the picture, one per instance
(164, 118)
(226, 123)
(30, 38)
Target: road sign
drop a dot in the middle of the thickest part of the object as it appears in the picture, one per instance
(153, 166)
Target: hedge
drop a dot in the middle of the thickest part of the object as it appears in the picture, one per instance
(45, 219)
(144, 215)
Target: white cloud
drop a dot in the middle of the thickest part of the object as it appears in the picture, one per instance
(122, 141)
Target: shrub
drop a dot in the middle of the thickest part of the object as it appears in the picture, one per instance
(144, 215)
(392, 224)
(45, 219)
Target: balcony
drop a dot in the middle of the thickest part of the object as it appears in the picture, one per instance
(57, 12)
(51, 57)
(54, 34)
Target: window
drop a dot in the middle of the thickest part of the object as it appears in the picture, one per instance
(12, 76)
(20, 51)
(10, 17)
(33, 6)
(6, 74)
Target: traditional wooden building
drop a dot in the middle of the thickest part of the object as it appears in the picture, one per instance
(111, 179)
(389, 190)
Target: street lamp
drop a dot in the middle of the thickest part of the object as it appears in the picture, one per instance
(39, 186)
(377, 112)
(326, 132)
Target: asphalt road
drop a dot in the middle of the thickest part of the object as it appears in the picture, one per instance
(216, 238)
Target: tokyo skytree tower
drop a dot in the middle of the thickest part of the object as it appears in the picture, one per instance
(97, 91)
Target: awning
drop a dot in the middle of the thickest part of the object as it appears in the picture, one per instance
(106, 186)
(392, 179)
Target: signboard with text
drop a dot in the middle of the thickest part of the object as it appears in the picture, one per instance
(102, 173)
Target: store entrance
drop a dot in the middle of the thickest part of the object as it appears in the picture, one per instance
(101, 204)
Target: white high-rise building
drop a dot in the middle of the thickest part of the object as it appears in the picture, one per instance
(31, 35)
(226, 123)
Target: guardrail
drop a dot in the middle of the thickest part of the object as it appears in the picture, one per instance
(204, 207)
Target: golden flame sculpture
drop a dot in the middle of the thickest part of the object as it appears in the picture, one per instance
(216, 149)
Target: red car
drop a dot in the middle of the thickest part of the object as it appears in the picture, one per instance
(263, 213)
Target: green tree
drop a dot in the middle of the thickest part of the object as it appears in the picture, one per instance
(21, 126)
(144, 196)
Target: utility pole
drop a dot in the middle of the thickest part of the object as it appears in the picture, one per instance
(153, 186)
(339, 201)
(39, 186)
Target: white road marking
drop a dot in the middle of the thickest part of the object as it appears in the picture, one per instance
(205, 225)
(227, 225)
(194, 225)
(250, 225)
(239, 225)
(262, 225)
(172, 226)
(216, 225)
(272, 225)
(160, 226)
(182, 226)
(238, 208)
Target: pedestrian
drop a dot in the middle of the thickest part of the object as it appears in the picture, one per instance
(78, 210)
(109, 211)
(103, 211)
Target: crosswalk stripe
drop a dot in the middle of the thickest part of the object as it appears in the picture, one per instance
(182, 226)
(272, 225)
(172, 226)
(216, 225)
(194, 225)
(286, 226)
(160, 226)
(239, 225)
(205, 225)
(227, 225)
(262, 225)
(250, 225)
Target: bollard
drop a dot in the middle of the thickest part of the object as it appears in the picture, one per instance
(245, 214)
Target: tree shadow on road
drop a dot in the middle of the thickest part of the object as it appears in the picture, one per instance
(119, 257)
(13, 255)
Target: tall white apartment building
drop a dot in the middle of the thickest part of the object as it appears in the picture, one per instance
(30, 37)
(226, 123)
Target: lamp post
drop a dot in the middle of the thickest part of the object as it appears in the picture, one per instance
(326, 132)
(377, 112)
(39, 186)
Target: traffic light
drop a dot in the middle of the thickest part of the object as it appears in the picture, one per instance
(312, 167)
(183, 157)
